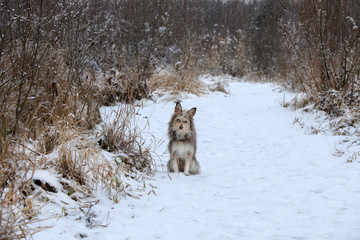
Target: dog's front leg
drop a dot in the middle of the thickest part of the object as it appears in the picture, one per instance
(175, 164)
(187, 164)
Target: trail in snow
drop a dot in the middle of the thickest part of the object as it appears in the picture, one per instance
(260, 179)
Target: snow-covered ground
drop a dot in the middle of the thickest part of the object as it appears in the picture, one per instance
(262, 178)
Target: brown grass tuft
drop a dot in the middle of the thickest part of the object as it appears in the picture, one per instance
(176, 82)
(121, 135)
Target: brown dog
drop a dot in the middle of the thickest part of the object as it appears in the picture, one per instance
(182, 145)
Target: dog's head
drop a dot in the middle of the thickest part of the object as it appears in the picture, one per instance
(181, 122)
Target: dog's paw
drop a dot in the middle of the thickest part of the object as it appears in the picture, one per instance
(187, 174)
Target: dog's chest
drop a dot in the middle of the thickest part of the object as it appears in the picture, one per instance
(182, 149)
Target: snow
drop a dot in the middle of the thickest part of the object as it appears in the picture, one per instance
(262, 178)
(46, 176)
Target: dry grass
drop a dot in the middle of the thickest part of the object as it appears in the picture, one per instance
(55, 119)
(298, 102)
(121, 135)
(73, 161)
(18, 165)
(80, 160)
(176, 82)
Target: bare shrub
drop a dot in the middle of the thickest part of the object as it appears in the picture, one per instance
(322, 42)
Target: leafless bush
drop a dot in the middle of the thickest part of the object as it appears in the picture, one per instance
(322, 40)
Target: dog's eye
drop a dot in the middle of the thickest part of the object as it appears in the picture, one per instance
(178, 120)
(185, 121)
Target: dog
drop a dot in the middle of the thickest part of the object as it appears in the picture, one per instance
(182, 142)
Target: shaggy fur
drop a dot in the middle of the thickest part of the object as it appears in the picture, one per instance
(182, 144)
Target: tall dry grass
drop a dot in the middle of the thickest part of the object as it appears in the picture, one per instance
(121, 134)
(18, 164)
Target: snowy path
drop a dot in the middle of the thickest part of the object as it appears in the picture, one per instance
(261, 178)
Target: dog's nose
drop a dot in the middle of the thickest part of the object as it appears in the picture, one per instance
(181, 127)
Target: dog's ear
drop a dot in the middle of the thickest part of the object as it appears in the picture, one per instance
(192, 112)
(178, 108)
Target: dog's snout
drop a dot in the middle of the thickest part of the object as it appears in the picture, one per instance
(181, 127)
